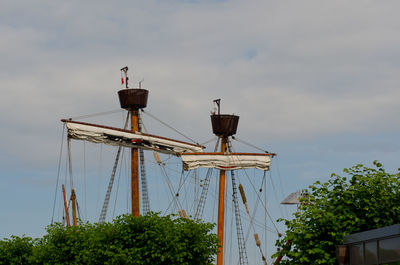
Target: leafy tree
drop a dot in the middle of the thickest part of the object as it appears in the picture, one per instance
(17, 250)
(367, 198)
(143, 240)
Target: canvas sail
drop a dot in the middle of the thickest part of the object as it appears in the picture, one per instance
(119, 137)
(228, 161)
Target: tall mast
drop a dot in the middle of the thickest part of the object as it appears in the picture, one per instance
(223, 126)
(66, 206)
(73, 199)
(133, 99)
(221, 207)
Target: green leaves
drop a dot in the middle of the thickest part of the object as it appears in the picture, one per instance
(366, 199)
(143, 240)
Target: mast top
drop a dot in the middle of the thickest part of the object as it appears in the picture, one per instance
(131, 98)
(223, 125)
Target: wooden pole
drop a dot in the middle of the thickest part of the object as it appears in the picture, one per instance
(66, 206)
(135, 167)
(73, 198)
(221, 208)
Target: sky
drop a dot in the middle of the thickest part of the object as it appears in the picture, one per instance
(314, 81)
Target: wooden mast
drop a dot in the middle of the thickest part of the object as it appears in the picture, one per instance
(221, 207)
(73, 198)
(133, 99)
(135, 167)
(66, 206)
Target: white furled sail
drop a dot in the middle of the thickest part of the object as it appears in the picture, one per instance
(119, 137)
(226, 161)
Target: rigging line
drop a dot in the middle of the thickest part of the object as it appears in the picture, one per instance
(145, 191)
(77, 207)
(281, 184)
(119, 178)
(176, 202)
(104, 209)
(256, 222)
(84, 178)
(275, 194)
(262, 182)
(96, 114)
(172, 128)
(239, 228)
(265, 218)
(243, 256)
(258, 196)
(249, 144)
(265, 208)
(202, 201)
(58, 173)
(209, 141)
(70, 164)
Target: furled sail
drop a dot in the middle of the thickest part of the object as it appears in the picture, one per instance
(119, 137)
(226, 161)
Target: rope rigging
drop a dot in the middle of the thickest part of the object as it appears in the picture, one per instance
(145, 191)
(249, 144)
(239, 230)
(58, 173)
(169, 126)
(96, 114)
(202, 201)
(104, 209)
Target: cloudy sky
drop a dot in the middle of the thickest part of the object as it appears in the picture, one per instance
(314, 81)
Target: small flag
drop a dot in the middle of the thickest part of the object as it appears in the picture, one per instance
(122, 79)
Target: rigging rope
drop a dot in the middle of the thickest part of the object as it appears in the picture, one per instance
(246, 143)
(58, 173)
(96, 114)
(119, 178)
(202, 201)
(111, 182)
(264, 206)
(239, 230)
(70, 163)
(145, 191)
(169, 126)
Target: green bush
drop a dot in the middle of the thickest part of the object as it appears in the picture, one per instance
(149, 239)
(367, 198)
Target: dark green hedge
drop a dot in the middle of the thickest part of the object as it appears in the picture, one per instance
(143, 240)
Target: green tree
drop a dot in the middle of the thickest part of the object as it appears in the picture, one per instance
(16, 250)
(367, 198)
(143, 240)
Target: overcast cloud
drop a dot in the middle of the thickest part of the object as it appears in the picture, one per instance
(314, 77)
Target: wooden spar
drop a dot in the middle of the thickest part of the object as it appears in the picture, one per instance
(73, 198)
(66, 206)
(221, 207)
(135, 167)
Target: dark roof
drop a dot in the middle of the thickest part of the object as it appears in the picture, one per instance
(387, 231)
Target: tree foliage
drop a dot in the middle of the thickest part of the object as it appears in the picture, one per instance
(367, 198)
(143, 240)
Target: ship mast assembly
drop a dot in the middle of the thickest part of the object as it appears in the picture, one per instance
(223, 125)
(133, 99)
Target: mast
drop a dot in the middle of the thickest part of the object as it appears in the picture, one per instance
(133, 99)
(221, 207)
(66, 206)
(73, 198)
(223, 126)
